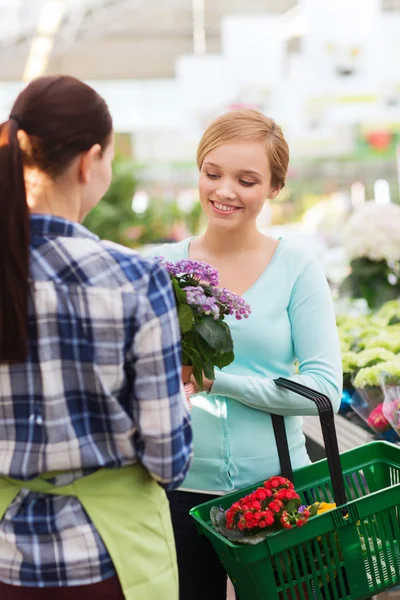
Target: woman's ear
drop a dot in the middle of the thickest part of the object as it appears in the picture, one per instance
(87, 161)
(273, 193)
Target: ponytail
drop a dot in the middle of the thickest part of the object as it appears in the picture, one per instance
(14, 247)
(61, 117)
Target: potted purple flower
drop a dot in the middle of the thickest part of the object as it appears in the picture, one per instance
(202, 308)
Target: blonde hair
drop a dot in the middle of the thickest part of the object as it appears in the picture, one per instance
(248, 124)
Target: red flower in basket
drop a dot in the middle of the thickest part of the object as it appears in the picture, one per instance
(275, 506)
(268, 509)
(285, 520)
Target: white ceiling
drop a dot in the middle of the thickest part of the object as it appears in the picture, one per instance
(118, 39)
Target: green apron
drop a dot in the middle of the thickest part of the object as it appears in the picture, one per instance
(131, 513)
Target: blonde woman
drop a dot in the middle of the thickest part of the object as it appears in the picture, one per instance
(243, 159)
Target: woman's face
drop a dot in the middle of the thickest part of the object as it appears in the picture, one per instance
(235, 181)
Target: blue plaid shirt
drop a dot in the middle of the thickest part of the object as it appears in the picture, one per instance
(101, 387)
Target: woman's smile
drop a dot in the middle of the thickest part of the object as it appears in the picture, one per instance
(224, 209)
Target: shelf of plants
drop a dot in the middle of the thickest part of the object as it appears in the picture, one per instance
(371, 368)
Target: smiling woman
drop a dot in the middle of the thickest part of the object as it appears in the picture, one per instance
(235, 179)
(243, 159)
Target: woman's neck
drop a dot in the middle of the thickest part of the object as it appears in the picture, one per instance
(47, 197)
(218, 242)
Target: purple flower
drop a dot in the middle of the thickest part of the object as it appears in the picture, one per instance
(194, 269)
(207, 305)
(233, 304)
(301, 509)
(221, 302)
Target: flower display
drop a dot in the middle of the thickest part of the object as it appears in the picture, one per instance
(377, 420)
(372, 376)
(389, 313)
(391, 408)
(373, 231)
(202, 308)
(390, 383)
(274, 506)
(371, 364)
(373, 356)
(371, 239)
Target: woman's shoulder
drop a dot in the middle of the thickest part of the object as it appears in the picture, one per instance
(296, 256)
(173, 251)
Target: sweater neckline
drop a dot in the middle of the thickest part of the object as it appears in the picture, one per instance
(262, 275)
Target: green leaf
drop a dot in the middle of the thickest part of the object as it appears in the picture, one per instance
(198, 374)
(223, 359)
(369, 280)
(186, 360)
(215, 333)
(216, 514)
(179, 294)
(189, 349)
(204, 348)
(293, 505)
(208, 370)
(394, 320)
(314, 509)
(185, 315)
(218, 521)
(228, 346)
(251, 540)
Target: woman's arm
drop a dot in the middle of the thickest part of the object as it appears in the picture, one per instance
(316, 346)
(164, 437)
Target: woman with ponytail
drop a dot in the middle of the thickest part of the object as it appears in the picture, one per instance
(93, 421)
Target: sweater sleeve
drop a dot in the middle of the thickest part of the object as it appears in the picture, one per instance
(316, 346)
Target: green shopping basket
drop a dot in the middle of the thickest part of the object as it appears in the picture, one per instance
(350, 552)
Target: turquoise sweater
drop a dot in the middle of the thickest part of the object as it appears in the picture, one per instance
(292, 317)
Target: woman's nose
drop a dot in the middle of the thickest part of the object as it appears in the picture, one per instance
(226, 193)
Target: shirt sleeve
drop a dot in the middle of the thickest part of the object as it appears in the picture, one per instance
(316, 346)
(164, 437)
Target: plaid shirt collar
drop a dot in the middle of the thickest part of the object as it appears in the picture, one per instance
(50, 226)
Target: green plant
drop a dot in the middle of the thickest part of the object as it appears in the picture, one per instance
(371, 239)
(372, 376)
(113, 216)
(202, 307)
(373, 356)
(370, 279)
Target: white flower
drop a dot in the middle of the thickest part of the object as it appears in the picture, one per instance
(373, 231)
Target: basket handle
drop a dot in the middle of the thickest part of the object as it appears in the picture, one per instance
(327, 421)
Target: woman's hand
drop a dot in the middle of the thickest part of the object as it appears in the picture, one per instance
(189, 391)
(207, 384)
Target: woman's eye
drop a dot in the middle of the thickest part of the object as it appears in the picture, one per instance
(246, 183)
(212, 175)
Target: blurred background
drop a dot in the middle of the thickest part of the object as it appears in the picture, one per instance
(327, 71)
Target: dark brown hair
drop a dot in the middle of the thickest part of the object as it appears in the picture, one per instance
(62, 117)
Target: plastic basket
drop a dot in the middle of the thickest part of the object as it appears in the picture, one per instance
(350, 552)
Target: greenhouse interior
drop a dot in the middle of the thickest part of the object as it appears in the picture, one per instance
(186, 84)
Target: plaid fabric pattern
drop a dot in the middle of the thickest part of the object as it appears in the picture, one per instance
(101, 387)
